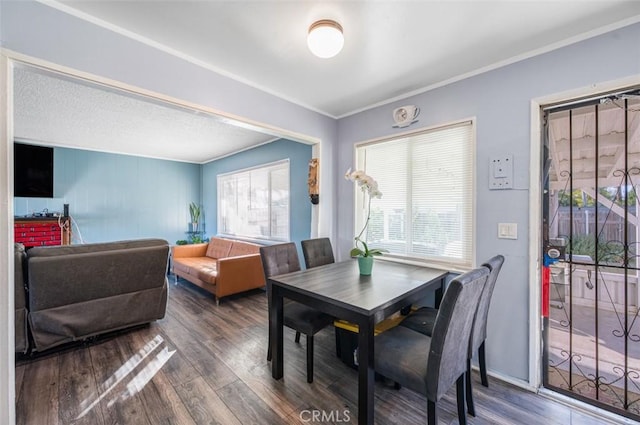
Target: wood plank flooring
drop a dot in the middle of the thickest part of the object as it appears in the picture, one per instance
(206, 364)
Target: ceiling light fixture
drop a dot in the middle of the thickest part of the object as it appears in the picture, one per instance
(325, 39)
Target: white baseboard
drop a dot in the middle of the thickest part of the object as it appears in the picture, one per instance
(586, 408)
(520, 383)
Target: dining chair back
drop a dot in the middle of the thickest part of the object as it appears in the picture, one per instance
(277, 259)
(494, 264)
(281, 259)
(454, 323)
(317, 252)
(423, 321)
(431, 365)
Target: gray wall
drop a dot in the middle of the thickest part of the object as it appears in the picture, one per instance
(501, 102)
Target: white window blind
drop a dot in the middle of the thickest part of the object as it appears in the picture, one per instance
(426, 211)
(254, 203)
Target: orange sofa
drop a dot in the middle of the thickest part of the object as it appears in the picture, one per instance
(221, 266)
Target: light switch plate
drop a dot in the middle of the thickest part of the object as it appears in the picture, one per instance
(508, 230)
(501, 172)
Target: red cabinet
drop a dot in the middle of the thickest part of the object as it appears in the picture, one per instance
(42, 231)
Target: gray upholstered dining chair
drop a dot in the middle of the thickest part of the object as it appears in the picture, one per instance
(280, 259)
(317, 252)
(431, 364)
(423, 321)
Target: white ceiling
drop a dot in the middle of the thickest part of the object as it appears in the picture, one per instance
(53, 110)
(393, 49)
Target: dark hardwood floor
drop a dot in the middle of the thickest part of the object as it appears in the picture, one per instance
(206, 364)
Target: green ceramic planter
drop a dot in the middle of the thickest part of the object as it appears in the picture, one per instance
(365, 264)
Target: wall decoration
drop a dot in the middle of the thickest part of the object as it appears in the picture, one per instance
(314, 183)
(404, 116)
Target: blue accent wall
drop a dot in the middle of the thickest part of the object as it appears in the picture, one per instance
(298, 154)
(114, 197)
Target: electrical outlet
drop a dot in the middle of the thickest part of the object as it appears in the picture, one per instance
(501, 172)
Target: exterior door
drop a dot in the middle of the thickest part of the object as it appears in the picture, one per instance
(592, 251)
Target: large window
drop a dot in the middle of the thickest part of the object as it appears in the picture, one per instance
(254, 203)
(426, 211)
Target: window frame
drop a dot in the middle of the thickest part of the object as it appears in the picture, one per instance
(360, 199)
(268, 167)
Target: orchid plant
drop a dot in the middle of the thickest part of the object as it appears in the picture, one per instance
(369, 187)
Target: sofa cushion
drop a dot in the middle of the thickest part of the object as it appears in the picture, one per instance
(207, 273)
(219, 248)
(181, 265)
(243, 248)
(203, 268)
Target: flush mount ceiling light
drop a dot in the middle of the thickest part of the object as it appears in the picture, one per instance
(325, 39)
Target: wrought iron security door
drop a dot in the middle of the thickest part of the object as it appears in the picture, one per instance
(591, 238)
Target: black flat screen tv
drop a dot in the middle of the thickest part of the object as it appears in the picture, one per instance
(33, 171)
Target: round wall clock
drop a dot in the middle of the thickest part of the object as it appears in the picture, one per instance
(400, 115)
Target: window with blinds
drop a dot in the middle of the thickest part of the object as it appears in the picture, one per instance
(254, 203)
(426, 211)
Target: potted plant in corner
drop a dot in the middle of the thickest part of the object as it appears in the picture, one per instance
(365, 254)
(195, 212)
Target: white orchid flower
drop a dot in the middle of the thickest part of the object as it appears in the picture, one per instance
(370, 186)
(347, 175)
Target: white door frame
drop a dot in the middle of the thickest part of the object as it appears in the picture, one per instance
(7, 307)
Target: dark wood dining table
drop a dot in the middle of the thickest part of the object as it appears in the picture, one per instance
(339, 290)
